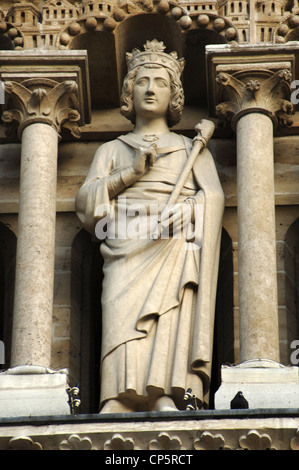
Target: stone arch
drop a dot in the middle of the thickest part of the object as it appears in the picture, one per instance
(223, 350)
(102, 66)
(146, 26)
(7, 279)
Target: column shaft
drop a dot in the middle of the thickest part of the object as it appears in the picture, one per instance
(257, 239)
(31, 342)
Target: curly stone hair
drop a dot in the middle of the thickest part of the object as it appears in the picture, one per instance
(176, 103)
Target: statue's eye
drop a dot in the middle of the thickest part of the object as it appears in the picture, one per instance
(141, 81)
(161, 82)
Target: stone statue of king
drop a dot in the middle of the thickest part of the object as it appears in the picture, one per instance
(158, 293)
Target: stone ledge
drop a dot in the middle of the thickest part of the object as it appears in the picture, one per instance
(179, 431)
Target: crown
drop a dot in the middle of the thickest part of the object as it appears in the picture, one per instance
(154, 54)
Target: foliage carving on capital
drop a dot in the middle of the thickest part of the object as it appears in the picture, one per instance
(255, 91)
(45, 101)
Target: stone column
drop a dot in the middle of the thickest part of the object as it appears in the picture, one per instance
(255, 100)
(40, 109)
(256, 238)
(258, 101)
(32, 321)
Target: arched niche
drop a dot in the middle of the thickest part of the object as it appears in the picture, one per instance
(134, 31)
(194, 79)
(7, 281)
(102, 61)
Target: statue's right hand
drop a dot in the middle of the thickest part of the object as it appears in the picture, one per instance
(144, 158)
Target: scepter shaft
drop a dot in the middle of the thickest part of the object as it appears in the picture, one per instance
(205, 129)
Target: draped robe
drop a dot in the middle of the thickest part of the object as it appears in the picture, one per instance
(158, 296)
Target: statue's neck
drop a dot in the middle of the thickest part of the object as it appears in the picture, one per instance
(151, 127)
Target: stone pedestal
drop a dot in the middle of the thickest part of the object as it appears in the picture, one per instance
(264, 383)
(33, 391)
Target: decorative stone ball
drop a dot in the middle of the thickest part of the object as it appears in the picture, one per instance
(219, 24)
(279, 39)
(3, 27)
(18, 41)
(64, 39)
(176, 13)
(163, 6)
(74, 29)
(91, 23)
(12, 33)
(294, 21)
(185, 22)
(203, 20)
(109, 24)
(283, 30)
(230, 33)
(119, 14)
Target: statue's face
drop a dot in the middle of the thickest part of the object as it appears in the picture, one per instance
(151, 93)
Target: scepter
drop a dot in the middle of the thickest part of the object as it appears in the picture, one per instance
(205, 129)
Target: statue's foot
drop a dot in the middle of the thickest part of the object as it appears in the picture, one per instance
(165, 403)
(116, 406)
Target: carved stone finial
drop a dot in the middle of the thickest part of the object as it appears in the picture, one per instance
(45, 101)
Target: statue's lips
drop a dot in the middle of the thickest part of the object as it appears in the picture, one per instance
(150, 100)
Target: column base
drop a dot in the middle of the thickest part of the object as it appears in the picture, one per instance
(264, 383)
(33, 391)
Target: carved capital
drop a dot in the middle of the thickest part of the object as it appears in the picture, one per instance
(42, 101)
(262, 91)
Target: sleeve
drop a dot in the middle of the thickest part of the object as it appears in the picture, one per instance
(92, 200)
(105, 180)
